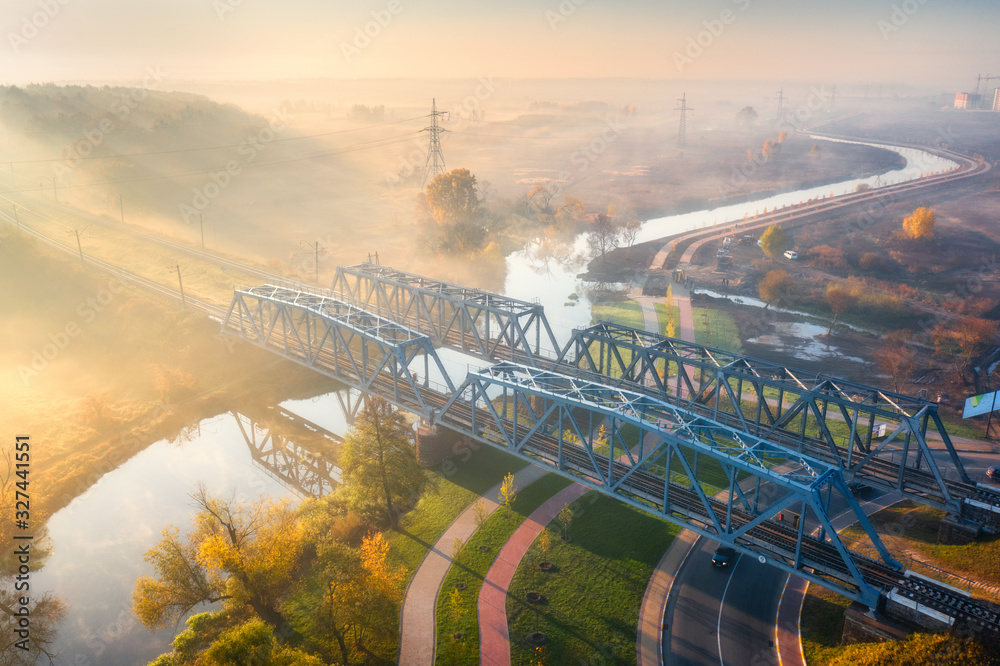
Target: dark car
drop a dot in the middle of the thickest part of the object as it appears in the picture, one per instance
(724, 556)
(993, 472)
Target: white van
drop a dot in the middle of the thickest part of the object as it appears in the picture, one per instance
(791, 254)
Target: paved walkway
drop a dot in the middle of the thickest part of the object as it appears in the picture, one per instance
(418, 636)
(494, 637)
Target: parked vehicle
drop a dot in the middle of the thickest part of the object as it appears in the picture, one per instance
(791, 254)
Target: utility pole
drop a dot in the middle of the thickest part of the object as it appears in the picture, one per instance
(181, 283)
(121, 207)
(434, 164)
(781, 103)
(78, 245)
(682, 132)
(315, 247)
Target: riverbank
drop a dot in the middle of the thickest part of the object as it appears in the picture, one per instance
(103, 370)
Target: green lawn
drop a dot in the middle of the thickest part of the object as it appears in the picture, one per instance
(822, 624)
(716, 328)
(624, 312)
(590, 609)
(471, 568)
(421, 527)
(907, 526)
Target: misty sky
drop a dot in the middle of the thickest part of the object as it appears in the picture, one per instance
(898, 42)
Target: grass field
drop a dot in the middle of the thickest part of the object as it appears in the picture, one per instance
(471, 568)
(591, 598)
(716, 328)
(623, 312)
(421, 527)
(907, 527)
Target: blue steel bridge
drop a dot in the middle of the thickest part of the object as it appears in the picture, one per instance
(675, 416)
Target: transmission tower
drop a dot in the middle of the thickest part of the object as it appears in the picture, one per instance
(434, 166)
(781, 102)
(683, 108)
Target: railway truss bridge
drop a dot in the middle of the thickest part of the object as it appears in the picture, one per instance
(717, 443)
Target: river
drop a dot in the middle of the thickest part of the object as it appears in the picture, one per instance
(99, 539)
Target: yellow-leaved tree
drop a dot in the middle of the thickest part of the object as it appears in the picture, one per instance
(920, 224)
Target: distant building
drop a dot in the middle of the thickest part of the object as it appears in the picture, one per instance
(996, 99)
(966, 100)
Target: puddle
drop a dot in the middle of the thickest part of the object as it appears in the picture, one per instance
(803, 341)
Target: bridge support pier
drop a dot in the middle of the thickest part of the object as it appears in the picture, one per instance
(956, 531)
(861, 627)
(434, 444)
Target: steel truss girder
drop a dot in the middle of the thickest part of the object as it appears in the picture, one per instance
(305, 472)
(477, 322)
(556, 420)
(351, 345)
(778, 403)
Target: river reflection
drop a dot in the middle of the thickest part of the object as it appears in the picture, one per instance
(100, 538)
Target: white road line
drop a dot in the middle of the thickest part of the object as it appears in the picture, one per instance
(722, 606)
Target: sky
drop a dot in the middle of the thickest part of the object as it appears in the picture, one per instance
(898, 42)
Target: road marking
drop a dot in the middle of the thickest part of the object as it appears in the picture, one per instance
(722, 607)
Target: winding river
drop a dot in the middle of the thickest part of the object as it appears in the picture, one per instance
(99, 539)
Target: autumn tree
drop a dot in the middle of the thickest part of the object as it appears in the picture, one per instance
(964, 339)
(508, 493)
(773, 241)
(919, 225)
(453, 203)
(776, 287)
(840, 299)
(897, 358)
(242, 553)
(380, 466)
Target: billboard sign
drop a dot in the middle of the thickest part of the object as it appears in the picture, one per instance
(976, 405)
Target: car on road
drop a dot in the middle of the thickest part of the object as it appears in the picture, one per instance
(791, 254)
(993, 472)
(724, 556)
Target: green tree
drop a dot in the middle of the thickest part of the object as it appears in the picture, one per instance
(774, 241)
(776, 287)
(565, 518)
(379, 463)
(919, 225)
